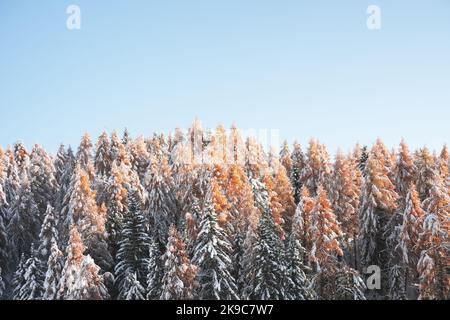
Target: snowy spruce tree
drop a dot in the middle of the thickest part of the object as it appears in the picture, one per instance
(155, 272)
(212, 255)
(300, 287)
(24, 225)
(132, 256)
(53, 273)
(268, 266)
(32, 287)
(18, 279)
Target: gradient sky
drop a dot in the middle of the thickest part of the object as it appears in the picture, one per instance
(308, 68)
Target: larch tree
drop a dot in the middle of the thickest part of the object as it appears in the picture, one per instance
(285, 195)
(317, 169)
(434, 280)
(426, 172)
(286, 158)
(379, 202)
(409, 234)
(132, 256)
(22, 159)
(90, 219)
(324, 232)
(89, 285)
(179, 280)
(405, 170)
(243, 215)
(303, 213)
(72, 266)
(139, 157)
(212, 255)
(345, 196)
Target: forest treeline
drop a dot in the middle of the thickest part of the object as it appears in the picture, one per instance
(208, 214)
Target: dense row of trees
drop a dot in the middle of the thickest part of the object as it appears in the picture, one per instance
(209, 215)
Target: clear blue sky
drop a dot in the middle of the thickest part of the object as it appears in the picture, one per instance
(308, 68)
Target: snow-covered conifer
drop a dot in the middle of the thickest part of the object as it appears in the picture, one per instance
(212, 255)
(179, 280)
(132, 256)
(53, 273)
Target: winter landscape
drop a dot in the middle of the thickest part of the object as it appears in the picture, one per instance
(209, 214)
(195, 154)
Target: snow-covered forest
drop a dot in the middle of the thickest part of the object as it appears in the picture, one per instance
(209, 214)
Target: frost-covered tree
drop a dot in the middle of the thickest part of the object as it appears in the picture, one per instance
(161, 207)
(286, 159)
(2, 284)
(155, 272)
(340, 283)
(24, 225)
(18, 279)
(300, 287)
(53, 273)
(379, 201)
(212, 255)
(243, 217)
(178, 282)
(285, 196)
(3, 235)
(42, 179)
(132, 288)
(48, 237)
(409, 233)
(72, 266)
(443, 165)
(22, 159)
(64, 166)
(90, 219)
(269, 269)
(434, 280)
(11, 186)
(426, 172)
(32, 288)
(317, 169)
(345, 196)
(139, 157)
(324, 232)
(102, 159)
(89, 285)
(84, 156)
(132, 256)
(405, 170)
(298, 163)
